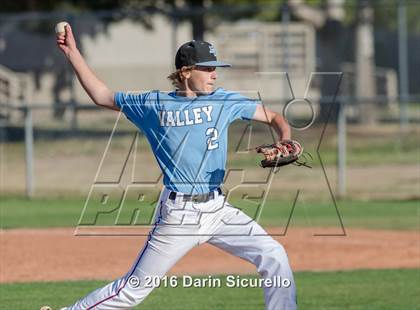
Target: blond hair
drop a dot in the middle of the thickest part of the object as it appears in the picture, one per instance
(177, 78)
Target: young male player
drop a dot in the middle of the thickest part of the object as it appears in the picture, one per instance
(187, 131)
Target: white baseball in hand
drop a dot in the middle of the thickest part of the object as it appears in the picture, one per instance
(61, 27)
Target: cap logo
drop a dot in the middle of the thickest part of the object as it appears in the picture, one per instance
(212, 50)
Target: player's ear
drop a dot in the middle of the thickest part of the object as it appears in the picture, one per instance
(185, 72)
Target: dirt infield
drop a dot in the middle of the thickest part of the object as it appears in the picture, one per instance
(56, 254)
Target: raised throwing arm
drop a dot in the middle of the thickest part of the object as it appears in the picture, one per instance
(94, 87)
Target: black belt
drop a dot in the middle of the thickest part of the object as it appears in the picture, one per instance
(196, 198)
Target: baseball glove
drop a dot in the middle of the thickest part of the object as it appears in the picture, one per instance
(280, 153)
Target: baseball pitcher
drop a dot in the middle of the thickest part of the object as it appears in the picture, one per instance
(187, 130)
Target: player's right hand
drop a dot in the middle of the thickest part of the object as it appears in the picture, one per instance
(66, 42)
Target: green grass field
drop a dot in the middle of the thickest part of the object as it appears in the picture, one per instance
(360, 289)
(44, 213)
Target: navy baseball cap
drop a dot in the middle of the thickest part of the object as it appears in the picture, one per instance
(197, 53)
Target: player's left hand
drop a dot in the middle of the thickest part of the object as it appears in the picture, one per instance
(280, 153)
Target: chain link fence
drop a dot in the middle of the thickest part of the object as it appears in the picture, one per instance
(356, 65)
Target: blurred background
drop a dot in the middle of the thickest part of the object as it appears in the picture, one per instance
(355, 63)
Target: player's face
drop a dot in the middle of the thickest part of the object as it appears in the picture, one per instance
(202, 80)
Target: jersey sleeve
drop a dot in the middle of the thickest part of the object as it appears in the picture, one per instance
(134, 106)
(240, 107)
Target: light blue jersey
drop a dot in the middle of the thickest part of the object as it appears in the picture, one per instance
(188, 135)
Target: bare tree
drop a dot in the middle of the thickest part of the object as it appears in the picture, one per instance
(328, 20)
(365, 62)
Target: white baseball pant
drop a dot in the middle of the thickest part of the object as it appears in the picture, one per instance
(180, 226)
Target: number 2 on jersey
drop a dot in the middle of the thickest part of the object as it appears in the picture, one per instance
(212, 140)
